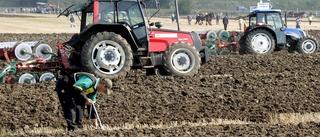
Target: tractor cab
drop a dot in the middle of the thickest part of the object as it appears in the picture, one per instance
(269, 19)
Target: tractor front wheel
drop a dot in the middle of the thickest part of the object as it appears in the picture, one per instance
(307, 45)
(259, 41)
(181, 59)
(107, 54)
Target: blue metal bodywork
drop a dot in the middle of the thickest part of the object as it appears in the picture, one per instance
(296, 33)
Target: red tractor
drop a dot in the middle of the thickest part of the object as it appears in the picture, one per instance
(115, 37)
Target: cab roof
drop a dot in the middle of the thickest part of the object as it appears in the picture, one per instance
(264, 11)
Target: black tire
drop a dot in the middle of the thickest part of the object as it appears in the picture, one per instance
(181, 59)
(293, 44)
(259, 41)
(117, 60)
(242, 48)
(307, 45)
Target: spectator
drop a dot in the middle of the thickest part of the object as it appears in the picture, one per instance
(217, 19)
(310, 18)
(172, 17)
(240, 23)
(189, 19)
(225, 22)
(298, 23)
(72, 21)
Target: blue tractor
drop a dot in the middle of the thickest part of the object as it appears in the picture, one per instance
(267, 32)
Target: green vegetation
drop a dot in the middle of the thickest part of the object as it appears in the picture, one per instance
(190, 6)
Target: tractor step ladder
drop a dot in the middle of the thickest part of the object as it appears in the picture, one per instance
(142, 49)
(146, 62)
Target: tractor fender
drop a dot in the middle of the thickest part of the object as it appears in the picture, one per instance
(196, 41)
(73, 41)
(203, 50)
(265, 28)
(120, 29)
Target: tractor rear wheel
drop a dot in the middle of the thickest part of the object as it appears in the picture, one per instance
(307, 45)
(241, 44)
(259, 41)
(182, 59)
(107, 54)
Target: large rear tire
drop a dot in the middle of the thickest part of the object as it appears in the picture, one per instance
(259, 41)
(107, 54)
(307, 45)
(181, 59)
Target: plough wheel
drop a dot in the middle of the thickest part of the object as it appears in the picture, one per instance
(27, 78)
(22, 52)
(224, 51)
(47, 77)
(44, 51)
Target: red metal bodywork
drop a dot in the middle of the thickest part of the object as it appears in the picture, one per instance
(161, 39)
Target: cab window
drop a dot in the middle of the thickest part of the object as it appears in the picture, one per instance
(106, 12)
(274, 20)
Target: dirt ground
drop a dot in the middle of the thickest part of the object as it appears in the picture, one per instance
(236, 87)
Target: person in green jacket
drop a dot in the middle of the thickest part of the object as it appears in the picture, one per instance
(77, 90)
(310, 18)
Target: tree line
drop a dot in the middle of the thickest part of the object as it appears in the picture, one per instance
(185, 6)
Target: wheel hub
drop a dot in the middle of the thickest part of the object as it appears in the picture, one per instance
(309, 46)
(261, 43)
(108, 57)
(181, 61)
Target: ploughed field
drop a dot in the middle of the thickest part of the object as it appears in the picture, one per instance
(277, 94)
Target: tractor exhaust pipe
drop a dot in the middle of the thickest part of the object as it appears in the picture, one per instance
(177, 14)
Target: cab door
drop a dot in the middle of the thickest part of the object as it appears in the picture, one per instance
(136, 21)
(275, 22)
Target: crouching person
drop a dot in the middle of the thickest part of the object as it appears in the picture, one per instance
(77, 90)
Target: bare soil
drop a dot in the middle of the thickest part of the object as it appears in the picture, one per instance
(240, 87)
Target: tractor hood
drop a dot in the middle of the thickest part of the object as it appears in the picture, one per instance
(296, 33)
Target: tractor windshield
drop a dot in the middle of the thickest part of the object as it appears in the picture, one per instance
(125, 12)
(270, 19)
(274, 20)
(128, 13)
